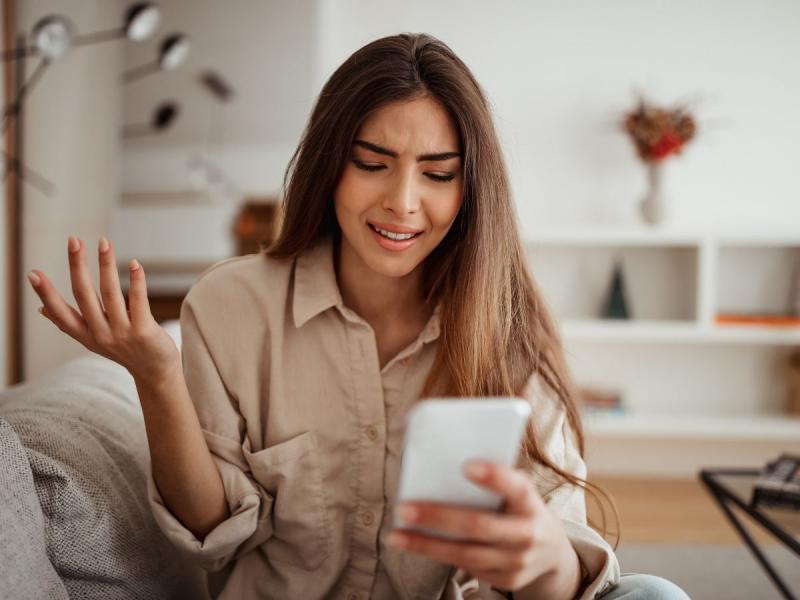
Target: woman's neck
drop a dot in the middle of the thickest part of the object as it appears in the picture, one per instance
(379, 299)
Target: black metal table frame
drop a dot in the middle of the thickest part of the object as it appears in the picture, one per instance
(723, 496)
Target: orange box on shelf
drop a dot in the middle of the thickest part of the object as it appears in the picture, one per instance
(781, 321)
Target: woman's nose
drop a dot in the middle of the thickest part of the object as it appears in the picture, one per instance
(403, 195)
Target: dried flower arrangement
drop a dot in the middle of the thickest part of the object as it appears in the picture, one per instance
(658, 132)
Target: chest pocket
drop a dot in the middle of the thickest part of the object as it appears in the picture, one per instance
(291, 473)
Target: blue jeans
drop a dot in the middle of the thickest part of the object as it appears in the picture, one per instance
(638, 586)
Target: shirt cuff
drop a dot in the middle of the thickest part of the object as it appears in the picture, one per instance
(597, 559)
(248, 525)
(462, 586)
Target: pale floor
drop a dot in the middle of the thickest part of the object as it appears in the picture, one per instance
(666, 511)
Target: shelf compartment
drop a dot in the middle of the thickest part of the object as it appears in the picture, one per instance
(660, 282)
(755, 279)
(688, 379)
(679, 332)
(707, 427)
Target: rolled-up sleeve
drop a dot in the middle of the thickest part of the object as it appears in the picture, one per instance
(249, 523)
(567, 501)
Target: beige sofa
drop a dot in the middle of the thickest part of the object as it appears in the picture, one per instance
(74, 520)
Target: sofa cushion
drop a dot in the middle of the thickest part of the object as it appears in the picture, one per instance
(27, 571)
(83, 432)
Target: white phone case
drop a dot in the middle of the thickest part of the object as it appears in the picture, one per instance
(442, 435)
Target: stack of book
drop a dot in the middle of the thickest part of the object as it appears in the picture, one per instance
(778, 485)
(596, 400)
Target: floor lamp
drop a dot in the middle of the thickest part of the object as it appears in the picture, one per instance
(52, 37)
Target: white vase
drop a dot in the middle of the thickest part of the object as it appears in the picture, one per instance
(653, 205)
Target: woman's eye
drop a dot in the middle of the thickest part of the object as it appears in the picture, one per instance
(435, 177)
(366, 167)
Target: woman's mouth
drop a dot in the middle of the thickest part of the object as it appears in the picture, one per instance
(393, 240)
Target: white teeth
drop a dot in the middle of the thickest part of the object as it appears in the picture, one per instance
(394, 236)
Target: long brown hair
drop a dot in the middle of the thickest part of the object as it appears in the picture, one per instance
(495, 328)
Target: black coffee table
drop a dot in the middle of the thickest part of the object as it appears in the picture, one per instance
(735, 487)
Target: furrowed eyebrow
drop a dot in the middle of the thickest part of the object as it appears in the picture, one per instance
(422, 157)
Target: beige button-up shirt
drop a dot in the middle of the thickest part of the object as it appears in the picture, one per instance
(307, 429)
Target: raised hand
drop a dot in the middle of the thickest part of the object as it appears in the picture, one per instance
(102, 324)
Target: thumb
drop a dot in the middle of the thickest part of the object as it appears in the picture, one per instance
(514, 486)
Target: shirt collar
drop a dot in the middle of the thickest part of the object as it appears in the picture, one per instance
(316, 289)
(431, 330)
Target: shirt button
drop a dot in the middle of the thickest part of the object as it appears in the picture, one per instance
(353, 596)
(368, 518)
(372, 432)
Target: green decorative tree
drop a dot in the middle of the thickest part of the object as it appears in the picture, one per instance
(617, 305)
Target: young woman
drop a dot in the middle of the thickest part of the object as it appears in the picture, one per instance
(276, 432)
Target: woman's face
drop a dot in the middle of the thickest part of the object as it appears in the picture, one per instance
(402, 187)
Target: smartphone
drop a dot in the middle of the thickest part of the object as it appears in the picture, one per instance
(442, 435)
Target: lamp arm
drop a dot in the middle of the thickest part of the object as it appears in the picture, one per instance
(14, 109)
(38, 181)
(135, 73)
(96, 37)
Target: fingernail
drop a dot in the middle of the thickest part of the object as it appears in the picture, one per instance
(134, 265)
(73, 244)
(407, 513)
(103, 244)
(34, 278)
(476, 469)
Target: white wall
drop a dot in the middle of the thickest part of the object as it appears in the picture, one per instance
(71, 136)
(559, 76)
(265, 51)
(560, 73)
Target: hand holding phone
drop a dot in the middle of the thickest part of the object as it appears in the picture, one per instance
(443, 435)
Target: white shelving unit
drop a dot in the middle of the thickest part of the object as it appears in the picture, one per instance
(695, 393)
